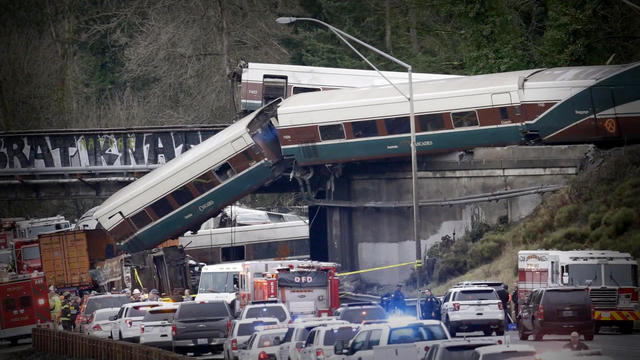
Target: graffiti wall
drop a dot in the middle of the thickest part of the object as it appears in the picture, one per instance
(92, 151)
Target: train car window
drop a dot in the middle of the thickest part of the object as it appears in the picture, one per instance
(182, 195)
(205, 182)
(302, 89)
(331, 132)
(224, 171)
(141, 219)
(25, 302)
(516, 110)
(398, 125)
(273, 87)
(9, 304)
(161, 207)
(431, 122)
(504, 115)
(464, 119)
(232, 253)
(248, 157)
(362, 129)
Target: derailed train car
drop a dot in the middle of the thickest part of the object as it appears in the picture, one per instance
(196, 185)
(549, 106)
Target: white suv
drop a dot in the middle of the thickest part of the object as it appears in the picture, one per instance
(241, 331)
(297, 334)
(321, 340)
(473, 308)
(126, 324)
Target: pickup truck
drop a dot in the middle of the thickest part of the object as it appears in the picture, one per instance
(373, 341)
(201, 327)
(473, 308)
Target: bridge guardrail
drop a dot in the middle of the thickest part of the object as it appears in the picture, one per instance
(81, 346)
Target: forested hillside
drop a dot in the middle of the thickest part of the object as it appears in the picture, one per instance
(105, 63)
(599, 210)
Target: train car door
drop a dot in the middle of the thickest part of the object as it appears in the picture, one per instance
(273, 87)
(606, 120)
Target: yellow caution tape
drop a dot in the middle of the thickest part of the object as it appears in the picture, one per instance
(416, 263)
(135, 271)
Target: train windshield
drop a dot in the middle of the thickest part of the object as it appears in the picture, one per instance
(621, 275)
(584, 274)
(218, 282)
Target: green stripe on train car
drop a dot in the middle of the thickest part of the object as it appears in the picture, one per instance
(224, 194)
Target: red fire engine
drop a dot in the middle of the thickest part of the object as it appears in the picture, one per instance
(25, 305)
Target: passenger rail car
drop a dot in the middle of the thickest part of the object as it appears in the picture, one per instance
(261, 83)
(557, 105)
(196, 185)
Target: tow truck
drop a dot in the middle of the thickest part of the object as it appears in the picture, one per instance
(611, 277)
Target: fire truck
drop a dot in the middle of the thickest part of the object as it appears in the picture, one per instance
(306, 287)
(25, 305)
(611, 278)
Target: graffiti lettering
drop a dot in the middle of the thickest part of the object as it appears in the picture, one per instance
(102, 150)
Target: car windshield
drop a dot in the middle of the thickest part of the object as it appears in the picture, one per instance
(621, 275)
(101, 302)
(218, 282)
(473, 295)
(344, 333)
(203, 311)
(511, 355)
(139, 311)
(267, 311)
(159, 315)
(250, 328)
(566, 297)
(104, 315)
(584, 274)
(358, 315)
(414, 333)
(267, 340)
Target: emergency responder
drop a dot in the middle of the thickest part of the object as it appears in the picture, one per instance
(65, 312)
(54, 305)
(74, 307)
(575, 344)
(187, 295)
(397, 300)
(136, 295)
(430, 307)
(144, 294)
(153, 295)
(514, 300)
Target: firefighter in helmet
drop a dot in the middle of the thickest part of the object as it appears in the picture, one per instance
(65, 312)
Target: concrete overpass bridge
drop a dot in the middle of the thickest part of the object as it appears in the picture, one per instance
(360, 212)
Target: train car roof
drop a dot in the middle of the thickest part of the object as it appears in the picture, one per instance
(319, 76)
(174, 166)
(386, 101)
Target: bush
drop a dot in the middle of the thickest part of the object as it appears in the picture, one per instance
(566, 215)
(595, 219)
(621, 219)
(483, 252)
(449, 267)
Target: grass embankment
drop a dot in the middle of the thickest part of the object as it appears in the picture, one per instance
(599, 210)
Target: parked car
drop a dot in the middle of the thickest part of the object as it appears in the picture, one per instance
(356, 313)
(421, 333)
(504, 352)
(91, 303)
(322, 339)
(473, 308)
(155, 328)
(262, 345)
(559, 310)
(201, 327)
(457, 349)
(99, 324)
(266, 309)
(241, 331)
(297, 334)
(501, 289)
(126, 323)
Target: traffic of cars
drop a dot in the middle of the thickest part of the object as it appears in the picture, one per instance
(363, 331)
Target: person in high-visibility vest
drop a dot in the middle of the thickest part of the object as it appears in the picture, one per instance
(54, 305)
(65, 312)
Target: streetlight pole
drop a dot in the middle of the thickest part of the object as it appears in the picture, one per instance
(414, 163)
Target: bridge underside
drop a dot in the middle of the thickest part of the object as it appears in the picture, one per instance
(365, 218)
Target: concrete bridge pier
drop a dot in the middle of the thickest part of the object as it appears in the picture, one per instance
(366, 222)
